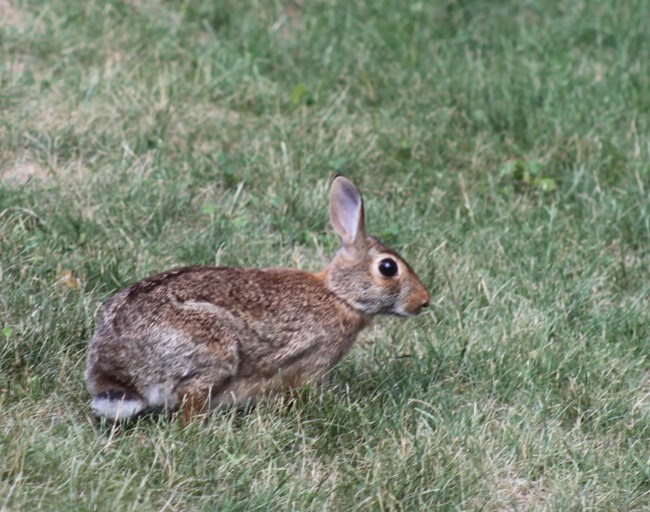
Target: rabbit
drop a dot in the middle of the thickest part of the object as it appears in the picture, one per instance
(205, 337)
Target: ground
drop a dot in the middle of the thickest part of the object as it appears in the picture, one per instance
(502, 148)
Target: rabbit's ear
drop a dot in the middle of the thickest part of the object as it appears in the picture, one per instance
(346, 212)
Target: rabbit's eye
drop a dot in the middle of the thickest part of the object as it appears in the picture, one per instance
(388, 267)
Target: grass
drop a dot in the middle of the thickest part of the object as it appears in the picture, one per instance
(502, 147)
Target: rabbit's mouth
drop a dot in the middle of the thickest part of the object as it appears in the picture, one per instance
(414, 304)
(405, 313)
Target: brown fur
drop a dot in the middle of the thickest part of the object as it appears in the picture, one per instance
(208, 336)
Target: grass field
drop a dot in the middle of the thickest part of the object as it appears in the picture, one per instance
(503, 146)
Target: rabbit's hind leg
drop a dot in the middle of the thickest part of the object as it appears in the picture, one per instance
(195, 404)
(196, 396)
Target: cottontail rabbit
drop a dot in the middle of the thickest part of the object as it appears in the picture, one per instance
(207, 336)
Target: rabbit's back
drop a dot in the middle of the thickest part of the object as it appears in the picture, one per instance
(270, 308)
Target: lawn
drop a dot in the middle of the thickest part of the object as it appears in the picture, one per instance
(502, 146)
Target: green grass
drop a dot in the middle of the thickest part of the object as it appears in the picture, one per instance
(502, 147)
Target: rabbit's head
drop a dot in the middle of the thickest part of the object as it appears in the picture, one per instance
(365, 273)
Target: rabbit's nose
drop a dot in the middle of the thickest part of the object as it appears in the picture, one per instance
(425, 304)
